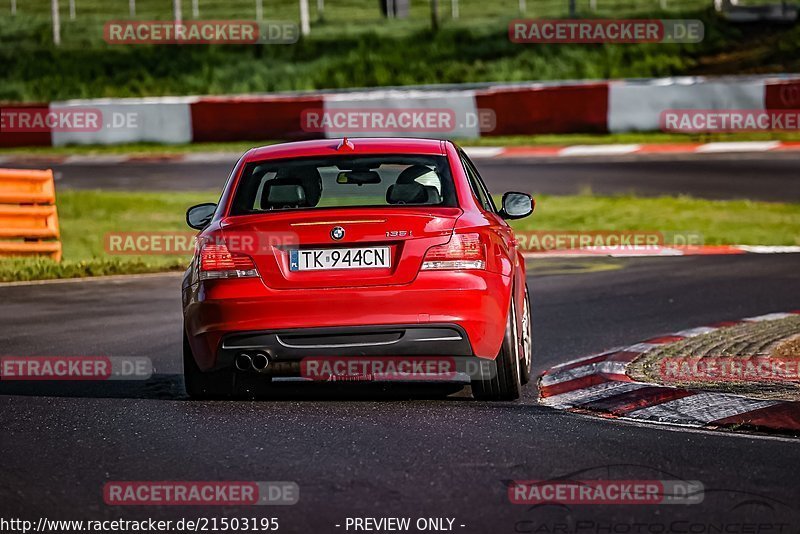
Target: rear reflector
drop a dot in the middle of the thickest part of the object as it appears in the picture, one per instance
(216, 261)
(463, 251)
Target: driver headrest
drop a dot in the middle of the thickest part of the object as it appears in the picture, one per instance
(283, 196)
(308, 176)
(413, 193)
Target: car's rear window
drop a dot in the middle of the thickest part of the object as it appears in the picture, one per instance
(351, 181)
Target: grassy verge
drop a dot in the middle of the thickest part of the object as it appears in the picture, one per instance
(239, 147)
(87, 216)
(719, 222)
(355, 47)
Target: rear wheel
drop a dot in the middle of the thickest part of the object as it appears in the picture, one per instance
(526, 341)
(503, 383)
(200, 385)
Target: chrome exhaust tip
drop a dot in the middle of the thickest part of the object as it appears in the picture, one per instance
(244, 362)
(260, 361)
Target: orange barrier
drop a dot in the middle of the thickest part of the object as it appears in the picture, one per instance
(28, 214)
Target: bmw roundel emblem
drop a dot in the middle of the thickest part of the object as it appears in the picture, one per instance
(337, 233)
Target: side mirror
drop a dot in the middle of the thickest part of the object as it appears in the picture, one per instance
(198, 217)
(517, 205)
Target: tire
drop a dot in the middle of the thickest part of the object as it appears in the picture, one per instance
(200, 385)
(504, 384)
(526, 341)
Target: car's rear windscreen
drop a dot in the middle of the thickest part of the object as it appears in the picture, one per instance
(349, 181)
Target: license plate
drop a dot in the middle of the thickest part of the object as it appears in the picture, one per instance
(339, 258)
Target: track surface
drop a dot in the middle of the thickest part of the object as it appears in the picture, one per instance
(754, 176)
(386, 455)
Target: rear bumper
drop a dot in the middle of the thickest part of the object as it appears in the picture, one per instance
(286, 349)
(222, 316)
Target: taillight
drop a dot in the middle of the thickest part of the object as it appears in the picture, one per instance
(216, 261)
(463, 251)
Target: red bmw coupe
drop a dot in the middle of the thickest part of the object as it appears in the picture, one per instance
(337, 249)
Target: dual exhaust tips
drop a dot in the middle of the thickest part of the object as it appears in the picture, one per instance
(254, 361)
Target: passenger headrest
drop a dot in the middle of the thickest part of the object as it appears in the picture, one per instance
(409, 175)
(412, 193)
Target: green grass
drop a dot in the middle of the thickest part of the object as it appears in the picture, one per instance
(86, 217)
(740, 222)
(239, 147)
(355, 47)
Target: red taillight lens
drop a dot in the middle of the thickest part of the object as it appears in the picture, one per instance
(463, 251)
(216, 261)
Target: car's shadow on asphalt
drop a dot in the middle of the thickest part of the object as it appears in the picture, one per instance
(158, 386)
(170, 387)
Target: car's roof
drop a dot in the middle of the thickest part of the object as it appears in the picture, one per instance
(353, 146)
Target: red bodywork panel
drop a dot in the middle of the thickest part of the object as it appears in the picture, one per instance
(476, 300)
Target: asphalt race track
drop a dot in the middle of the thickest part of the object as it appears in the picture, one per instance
(391, 452)
(755, 176)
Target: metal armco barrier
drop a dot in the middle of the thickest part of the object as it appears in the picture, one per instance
(28, 216)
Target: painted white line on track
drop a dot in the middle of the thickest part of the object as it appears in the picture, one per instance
(598, 150)
(211, 157)
(739, 146)
(112, 278)
(480, 152)
(769, 249)
(97, 160)
(768, 317)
